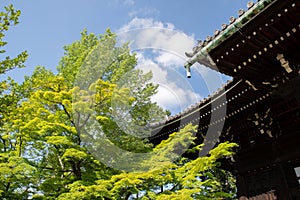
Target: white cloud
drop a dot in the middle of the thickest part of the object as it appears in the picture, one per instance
(144, 12)
(169, 59)
(147, 33)
(129, 2)
(175, 92)
(137, 23)
(124, 2)
(166, 59)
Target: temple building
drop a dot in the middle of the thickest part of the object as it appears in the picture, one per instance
(260, 108)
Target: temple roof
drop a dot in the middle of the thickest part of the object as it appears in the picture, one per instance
(249, 46)
(260, 50)
(210, 42)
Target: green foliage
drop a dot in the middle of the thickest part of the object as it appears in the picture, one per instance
(181, 179)
(8, 18)
(16, 176)
(16, 173)
(46, 121)
(45, 125)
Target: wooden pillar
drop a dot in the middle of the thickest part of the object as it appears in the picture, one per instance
(241, 186)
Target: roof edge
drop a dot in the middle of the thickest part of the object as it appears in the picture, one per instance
(202, 55)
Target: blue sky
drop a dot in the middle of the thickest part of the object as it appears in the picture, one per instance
(47, 25)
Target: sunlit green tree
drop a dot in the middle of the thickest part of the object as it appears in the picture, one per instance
(58, 131)
(49, 120)
(15, 171)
